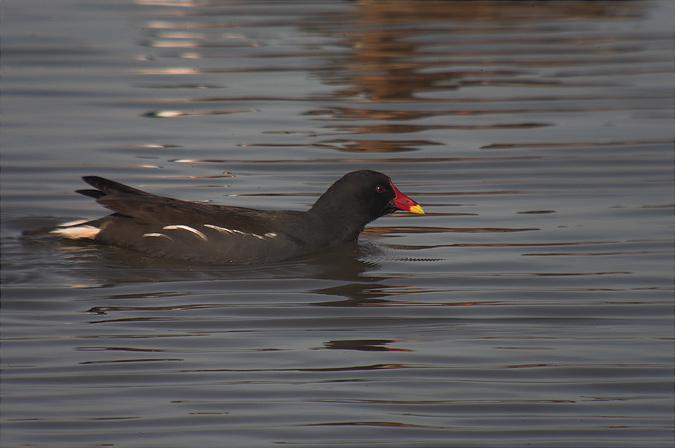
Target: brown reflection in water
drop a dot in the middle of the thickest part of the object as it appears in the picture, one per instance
(390, 57)
(382, 66)
(388, 62)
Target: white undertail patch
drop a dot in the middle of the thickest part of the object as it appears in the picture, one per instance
(188, 228)
(76, 232)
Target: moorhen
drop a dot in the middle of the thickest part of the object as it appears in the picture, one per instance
(184, 230)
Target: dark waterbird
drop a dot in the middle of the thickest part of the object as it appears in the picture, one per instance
(184, 230)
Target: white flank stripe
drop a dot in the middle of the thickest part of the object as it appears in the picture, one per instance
(237, 232)
(224, 230)
(77, 233)
(158, 235)
(188, 228)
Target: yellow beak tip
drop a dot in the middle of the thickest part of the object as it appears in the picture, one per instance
(416, 209)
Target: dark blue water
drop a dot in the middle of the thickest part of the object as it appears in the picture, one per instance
(531, 306)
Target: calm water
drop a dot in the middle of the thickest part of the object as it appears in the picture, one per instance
(531, 306)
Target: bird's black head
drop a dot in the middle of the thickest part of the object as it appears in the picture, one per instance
(365, 195)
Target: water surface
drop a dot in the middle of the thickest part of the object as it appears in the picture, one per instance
(531, 305)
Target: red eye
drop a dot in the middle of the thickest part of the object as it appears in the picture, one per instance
(379, 189)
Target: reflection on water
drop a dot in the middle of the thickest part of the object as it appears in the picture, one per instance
(531, 305)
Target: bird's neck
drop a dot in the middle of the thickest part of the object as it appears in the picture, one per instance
(343, 225)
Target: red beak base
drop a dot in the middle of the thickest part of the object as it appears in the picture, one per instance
(404, 203)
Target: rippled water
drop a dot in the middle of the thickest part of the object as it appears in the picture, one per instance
(531, 306)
